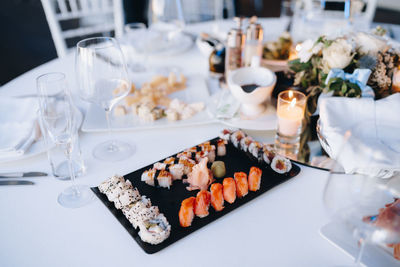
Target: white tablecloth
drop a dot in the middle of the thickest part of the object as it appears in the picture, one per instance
(279, 228)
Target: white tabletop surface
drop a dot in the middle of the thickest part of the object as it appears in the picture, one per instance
(279, 228)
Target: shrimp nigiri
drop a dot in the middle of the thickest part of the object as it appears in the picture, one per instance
(254, 179)
(217, 197)
(186, 213)
(242, 186)
(202, 203)
(229, 190)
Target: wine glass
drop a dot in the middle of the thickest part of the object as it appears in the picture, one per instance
(103, 80)
(56, 114)
(357, 201)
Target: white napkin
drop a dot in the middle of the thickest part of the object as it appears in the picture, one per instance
(18, 125)
(363, 154)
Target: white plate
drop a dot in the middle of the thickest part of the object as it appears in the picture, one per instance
(342, 238)
(264, 122)
(196, 91)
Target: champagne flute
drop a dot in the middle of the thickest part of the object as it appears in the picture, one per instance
(56, 114)
(357, 201)
(103, 80)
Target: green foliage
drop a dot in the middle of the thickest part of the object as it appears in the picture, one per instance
(342, 87)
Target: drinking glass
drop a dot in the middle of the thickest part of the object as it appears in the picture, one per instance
(56, 113)
(103, 80)
(136, 36)
(357, 201)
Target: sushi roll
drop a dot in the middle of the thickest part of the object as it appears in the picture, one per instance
(106, 186)
(221, 147)
(187, 164)
(149, 176)
(245, 143)
(136, 207)
(176, 171)
(211, 155)
(199, 155)
(225, 135)
(203, 200)
(229, 190)
(236, 137)
(144, 214)
(155, 230)
(191, 150)
(127, 197)
(255, 148)
(160, 166)
(186, 212)
(281, 164)
(164, 179)
(268, 153)
(254, 179)
(186, 154)
(217, 197)
(242, 186)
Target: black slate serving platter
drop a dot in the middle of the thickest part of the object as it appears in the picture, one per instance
(169, 201)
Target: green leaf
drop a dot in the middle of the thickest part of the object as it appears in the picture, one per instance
(344, 88)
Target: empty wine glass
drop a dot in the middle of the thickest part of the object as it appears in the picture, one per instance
(103, 80)
(136, 38)
(56, 114)
(357, 201)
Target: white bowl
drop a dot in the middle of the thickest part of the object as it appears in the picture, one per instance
(253, 103)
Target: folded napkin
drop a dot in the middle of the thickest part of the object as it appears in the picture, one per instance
(18, 125)
(374, 147)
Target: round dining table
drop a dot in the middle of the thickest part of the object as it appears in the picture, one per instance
(279, 228)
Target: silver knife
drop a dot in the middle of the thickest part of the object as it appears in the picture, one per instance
(22, 174)
(16, 182)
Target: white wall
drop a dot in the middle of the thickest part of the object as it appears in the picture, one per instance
(390, 4)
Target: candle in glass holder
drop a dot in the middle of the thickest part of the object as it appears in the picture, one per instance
(290, 112)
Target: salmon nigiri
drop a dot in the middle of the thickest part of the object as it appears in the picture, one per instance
(186, 213)
(242, 187)
(217, 197)
(229, 190)
(254, 178)
(202, 203)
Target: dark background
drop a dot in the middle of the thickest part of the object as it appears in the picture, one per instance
(26, 41)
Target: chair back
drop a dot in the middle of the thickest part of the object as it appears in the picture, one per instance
(93, 17)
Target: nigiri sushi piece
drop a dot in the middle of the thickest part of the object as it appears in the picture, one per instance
(242, 186)
(254, 179)
(148, 177)
(229, 190)
(225, 135)
(187, 164)
(245, 143)
(281, 164)
(236, 137)
(160, 166)
(200, 177)
(199, 155)
(169, 161)
(217, 196)
(164, 179)
(203, 199)
(176, 171)
(186, 212)
(268, 153)
(155, 230)
(221, 147)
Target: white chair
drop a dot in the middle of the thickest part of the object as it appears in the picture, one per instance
(57, 11)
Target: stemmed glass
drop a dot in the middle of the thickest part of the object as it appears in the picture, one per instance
(136, 38)
(56, 114)
(103, 80)
(356, 201)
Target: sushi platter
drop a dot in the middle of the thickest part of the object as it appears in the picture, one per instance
(158, 206)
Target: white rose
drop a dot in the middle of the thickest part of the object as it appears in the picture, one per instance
(338, 55)
(308, 49)
(369, 44)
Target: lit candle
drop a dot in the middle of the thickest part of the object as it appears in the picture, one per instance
(290, 112)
